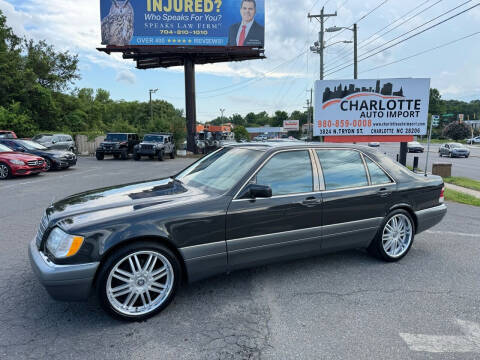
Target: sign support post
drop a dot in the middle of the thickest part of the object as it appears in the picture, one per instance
(190, 104)
(428, 146)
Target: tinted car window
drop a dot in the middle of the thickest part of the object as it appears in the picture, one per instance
(288, 173)
(377, 175)
(116, 137)
(342, 169)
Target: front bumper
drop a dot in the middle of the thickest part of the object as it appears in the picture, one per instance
(62, 282)
(27, 170)
(430, 217)
(64, 163)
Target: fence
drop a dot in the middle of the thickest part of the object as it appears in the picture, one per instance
(86, 147)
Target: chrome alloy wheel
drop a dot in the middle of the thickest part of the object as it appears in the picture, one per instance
(140, 283)
(397, 235)
(4, 171)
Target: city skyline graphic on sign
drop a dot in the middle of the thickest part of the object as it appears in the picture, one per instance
(340, 91)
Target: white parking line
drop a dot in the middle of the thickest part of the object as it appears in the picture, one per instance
(470, 342)
(452, 233)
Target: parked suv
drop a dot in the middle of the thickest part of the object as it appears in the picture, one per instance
(56, 141)
(7, 134)
(155, 145)
(118, 145)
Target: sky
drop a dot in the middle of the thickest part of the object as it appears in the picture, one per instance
(283, 80)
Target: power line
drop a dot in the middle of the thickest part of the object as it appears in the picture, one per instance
(410, 37)
(372, 37)
(423, 52)
(408, 32)
(363, 17)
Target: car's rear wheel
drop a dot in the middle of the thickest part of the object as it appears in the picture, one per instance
(395, 237)
(172, 154)
(5, 171)
(124, 154)
(99, 156)
(138, 281)
(161, 154)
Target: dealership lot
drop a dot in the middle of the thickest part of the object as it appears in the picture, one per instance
(339, 306)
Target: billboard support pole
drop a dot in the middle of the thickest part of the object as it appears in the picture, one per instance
(190, 103)
(355, 52)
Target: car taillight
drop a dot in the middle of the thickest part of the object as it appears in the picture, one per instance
(442, 196)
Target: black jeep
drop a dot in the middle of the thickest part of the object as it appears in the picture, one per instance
(120, 145)
(155, 145)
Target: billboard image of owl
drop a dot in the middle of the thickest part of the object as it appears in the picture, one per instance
(118, 25)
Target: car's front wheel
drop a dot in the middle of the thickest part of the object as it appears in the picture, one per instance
(48, 164)
(138, 281)
(5, 171)
(395, 237)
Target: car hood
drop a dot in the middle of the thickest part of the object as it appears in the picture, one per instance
(18, 156)
(49, 153)
(120, 200)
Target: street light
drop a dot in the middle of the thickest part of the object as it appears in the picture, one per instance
(151, 91)
(355, 43)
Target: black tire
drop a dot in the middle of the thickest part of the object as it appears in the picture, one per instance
(100, 156)
(48, 164)
(137, 157)
(124, 154)
(439, 154)
(466, 157)
(376, 247)
(120, 255)
(5, 171)
(116, 156)
(160, 155)
(172, 154)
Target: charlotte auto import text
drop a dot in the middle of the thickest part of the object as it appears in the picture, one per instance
(379, 108)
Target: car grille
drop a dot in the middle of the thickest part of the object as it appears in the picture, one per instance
(35, 162)
(42, 229)
(147, 147)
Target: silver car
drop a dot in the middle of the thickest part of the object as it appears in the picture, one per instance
(56, 141)
(453, 150)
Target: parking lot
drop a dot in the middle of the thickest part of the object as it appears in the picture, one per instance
(339, 306)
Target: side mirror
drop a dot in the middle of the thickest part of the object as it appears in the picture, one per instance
(253, 191)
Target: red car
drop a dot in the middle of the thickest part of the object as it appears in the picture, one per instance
(7, 134)
(15, 163)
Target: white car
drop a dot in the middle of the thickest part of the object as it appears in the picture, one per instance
(475, 140)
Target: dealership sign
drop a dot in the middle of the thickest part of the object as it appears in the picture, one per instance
(291, 125)
(386, 107)
(183, 22)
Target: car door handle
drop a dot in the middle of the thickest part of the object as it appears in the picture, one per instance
(311, 201)
(384, 192)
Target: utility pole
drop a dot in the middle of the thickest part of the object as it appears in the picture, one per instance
(319, 46)
(222, 111)
(310, 128)
(355, 52)
(151, 108)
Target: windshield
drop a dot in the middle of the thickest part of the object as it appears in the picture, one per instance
(153, 138)
(44, 138)
(6, 136)
(456, 145)
(220, 170)
(116, 137)
(3, 148)
(30, 145)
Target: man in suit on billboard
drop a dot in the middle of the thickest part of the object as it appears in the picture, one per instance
(248, 32)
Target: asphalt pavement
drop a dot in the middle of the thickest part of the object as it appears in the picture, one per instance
(339, 306)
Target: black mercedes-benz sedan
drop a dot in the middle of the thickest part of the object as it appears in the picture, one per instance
(241, 206)
(54, 159)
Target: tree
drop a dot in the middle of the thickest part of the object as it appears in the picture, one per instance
(241, 133)
(13, 119)
(457, 131)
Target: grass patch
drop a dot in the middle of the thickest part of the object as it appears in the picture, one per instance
(464, 182)
(458, 197)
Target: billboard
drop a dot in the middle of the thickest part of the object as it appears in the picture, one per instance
(183, 22)
(291, 125)
(386, 107)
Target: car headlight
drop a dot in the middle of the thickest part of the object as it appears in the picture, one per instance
(63, 245)
(17, 162)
